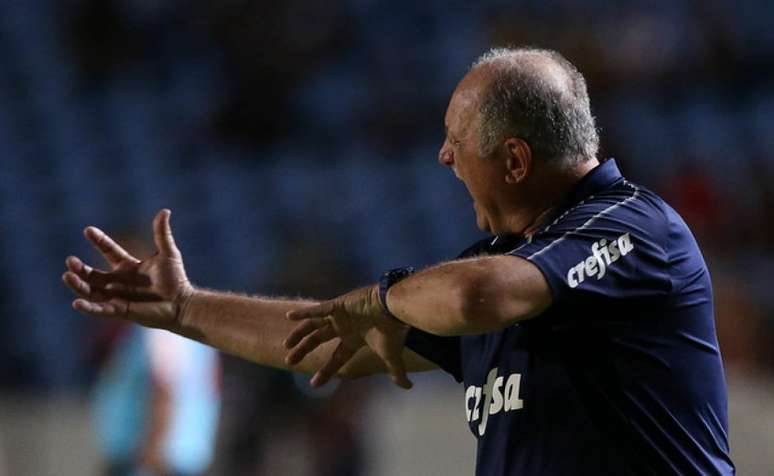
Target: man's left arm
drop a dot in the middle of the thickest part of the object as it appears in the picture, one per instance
(471, 296)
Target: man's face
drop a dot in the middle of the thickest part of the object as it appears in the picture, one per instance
(461, 152)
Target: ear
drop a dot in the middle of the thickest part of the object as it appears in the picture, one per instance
(518, 160)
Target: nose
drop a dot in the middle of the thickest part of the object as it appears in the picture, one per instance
(445, 155)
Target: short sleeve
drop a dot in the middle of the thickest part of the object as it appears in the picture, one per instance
(442, 351)
(609, 248)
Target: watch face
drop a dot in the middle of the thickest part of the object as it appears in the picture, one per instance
(395, 275)
(389, 278)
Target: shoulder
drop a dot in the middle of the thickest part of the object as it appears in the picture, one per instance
(614, 242)
(624, 205)
(624, 212)
(645, 218)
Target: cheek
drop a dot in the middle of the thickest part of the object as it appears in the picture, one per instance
(478, 191)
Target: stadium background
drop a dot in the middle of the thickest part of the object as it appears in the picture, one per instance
(296, 143)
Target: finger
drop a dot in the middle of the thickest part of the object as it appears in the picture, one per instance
(82, 288)
(397, 371)
(112, 308)
(80, 268)
(98, 293)
(323, 309)
(340, 356)
(130, 293)
(302, 330)
(112, 251)
(309, 344)
(162, 234)
(75, 264)
(97, 277)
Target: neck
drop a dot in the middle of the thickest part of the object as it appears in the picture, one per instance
(538, 222)
(546, 192)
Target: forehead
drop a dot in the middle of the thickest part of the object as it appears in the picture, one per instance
(465, 100)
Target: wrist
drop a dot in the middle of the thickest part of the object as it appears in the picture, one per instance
(182, 307)
(387, 280)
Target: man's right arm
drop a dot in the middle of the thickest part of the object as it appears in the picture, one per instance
(255, 328)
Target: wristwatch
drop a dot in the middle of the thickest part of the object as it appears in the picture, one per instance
(386, 281)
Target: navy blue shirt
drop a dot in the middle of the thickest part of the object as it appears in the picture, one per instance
(622, 373)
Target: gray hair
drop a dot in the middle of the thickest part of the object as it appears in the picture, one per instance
(525, 99)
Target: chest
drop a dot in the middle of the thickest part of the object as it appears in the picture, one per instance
(516, 377)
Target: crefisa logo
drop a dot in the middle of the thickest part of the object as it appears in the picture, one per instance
(500, 393)
(603, 254)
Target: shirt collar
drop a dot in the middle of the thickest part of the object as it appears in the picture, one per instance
(597, 179)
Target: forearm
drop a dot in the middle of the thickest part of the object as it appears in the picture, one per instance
(253, 328)
(470, 296)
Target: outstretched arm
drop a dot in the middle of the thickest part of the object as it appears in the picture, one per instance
(156, 292)
(255, 328)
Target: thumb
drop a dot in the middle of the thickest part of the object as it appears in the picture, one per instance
(162, 233)
(321, 310)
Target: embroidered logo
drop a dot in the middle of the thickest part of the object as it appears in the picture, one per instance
(499, 394)
(603, 254)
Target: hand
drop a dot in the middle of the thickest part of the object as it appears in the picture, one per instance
(358, 320)
(149, 292)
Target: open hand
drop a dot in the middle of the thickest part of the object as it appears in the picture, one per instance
(148, 292)
(357, 319)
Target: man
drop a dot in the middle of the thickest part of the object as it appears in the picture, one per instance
(583, 330)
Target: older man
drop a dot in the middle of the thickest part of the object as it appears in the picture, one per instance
(583, 329)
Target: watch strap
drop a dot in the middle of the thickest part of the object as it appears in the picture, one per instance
(386, 281)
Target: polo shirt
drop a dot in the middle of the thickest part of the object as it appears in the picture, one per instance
(622, 374)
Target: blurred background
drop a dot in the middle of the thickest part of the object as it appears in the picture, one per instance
(296, 142)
